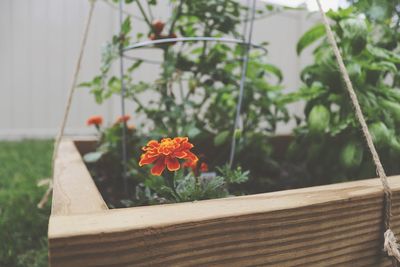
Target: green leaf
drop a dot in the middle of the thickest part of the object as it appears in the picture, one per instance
(393, 108)
(126, 26)
(378, 52)
(193, 132)
(380, 134)
(318, 119)
(274, 70)
(354, 28)
(351, 154)
(93, 157)
(155, 182)
(85, 84)
(382, 66)
(213, 187)
(233, 176)
(221, 138)
(310, 37)
(135, 65)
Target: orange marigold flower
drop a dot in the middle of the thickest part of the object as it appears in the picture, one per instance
(95, 120)
(122, 119)
(166, 154)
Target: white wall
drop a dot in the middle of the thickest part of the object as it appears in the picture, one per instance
(39, 42)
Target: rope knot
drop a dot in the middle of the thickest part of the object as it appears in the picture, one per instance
(390, 245)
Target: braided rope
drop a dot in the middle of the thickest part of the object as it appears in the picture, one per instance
(390, 244)
(71, 92)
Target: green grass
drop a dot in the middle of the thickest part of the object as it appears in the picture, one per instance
(23, 227)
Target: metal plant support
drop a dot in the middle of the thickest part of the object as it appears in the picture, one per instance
(247, 43)
(123, 93)
(242, 82)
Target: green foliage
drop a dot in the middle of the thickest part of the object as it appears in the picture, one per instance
(234, 176)
(338, 151)
(198, 85)
(312, 35)
(196, 91)
(105, 164)
(186, 185)
(23, 227)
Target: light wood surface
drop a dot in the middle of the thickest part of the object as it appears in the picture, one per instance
(334, 225)
(74, 191)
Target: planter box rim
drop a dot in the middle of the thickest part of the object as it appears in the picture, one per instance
(80, 219)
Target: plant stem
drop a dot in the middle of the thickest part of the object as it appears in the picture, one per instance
(143, 13)
(176, 17)
(150, 13)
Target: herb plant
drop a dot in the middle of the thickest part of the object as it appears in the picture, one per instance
(329, 145)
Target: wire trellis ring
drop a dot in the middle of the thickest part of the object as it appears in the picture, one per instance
(191, 39)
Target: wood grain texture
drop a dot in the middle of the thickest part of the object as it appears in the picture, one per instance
(74, 191)
(334, 225)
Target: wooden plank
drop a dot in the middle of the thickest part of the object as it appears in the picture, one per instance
(74, 191)
(87, 144)
(333, 225)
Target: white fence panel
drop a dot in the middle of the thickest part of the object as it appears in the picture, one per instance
(39, 42)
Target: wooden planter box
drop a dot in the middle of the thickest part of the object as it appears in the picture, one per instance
(333, 225)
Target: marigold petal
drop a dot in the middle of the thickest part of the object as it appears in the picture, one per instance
(172, 164)
(158, 167)
(167, 139)
(146, 159)
(180, 154)
(181, 139)
(153, 143)
(186, 145)
(190, 156)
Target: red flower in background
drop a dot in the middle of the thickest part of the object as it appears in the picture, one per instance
(193, 166)
(166, 154)
(95, 120)
(203, 167)
(157, 26)
(123, 119)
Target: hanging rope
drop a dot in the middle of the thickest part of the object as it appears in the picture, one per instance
(60, 134)
(390, 243)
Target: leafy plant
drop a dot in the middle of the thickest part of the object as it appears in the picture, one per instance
(197, 90)
(106, 162)
(329, 144)
(187, 182)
